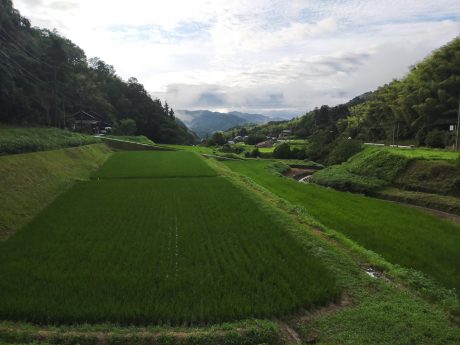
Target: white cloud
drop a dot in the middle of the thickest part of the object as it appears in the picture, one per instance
(259, 55)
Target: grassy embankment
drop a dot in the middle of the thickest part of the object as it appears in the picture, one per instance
(156, 237)
(30, 181)
(20, 140)
(400, 234)
(140, 139)
(423, 177)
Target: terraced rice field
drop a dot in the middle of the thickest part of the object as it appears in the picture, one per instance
(157, 250)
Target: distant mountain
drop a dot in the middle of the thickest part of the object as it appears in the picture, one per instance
(205, 122)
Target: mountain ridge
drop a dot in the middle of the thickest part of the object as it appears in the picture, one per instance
(206, 122)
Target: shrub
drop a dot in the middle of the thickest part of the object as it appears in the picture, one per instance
(282, 151)
(126, 127)
(343, 150)
(255, 153)
(436, 138)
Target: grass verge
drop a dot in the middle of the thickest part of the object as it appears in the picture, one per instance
(31, 181)
(22, 140)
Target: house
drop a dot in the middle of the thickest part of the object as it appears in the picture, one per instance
(231, 142)
(264, 144)
(88, 122)
(285, 134)
(238, 139)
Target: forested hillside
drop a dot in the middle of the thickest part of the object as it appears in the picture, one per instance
(45, 77)
(418, 109)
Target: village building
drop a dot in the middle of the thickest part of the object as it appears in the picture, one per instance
(285, 134)
(88, 122)
(265, 144)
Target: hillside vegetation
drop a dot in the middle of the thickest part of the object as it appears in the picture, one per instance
(423, 177)
(31, 57)
(417, 109)
(21, 140)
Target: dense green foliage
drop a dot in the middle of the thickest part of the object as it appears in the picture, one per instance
(159, 250)
(343, 150)
(417, 109)
(400, 234)
(30, 181)
(31, 58)
(421, 170)
(149, 164)
(365, 172)
(431, 177)
(21, 140)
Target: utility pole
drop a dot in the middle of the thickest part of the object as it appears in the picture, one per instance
(458, 125)
(56, 118)
(394, 132)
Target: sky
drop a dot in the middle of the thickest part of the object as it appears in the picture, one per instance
(272, 57)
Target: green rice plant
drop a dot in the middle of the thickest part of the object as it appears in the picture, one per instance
(402, 235)
(154, 164)
(157, 250)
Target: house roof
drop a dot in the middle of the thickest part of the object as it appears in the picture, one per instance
(86, 116)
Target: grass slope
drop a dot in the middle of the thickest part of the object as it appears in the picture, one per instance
(140, 139)
(423, 153)
(171, 250)
(30, 181)
(400, 234)
(21, 140)
(154, 164)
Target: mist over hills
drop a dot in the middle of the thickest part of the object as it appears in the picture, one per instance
(205, 122)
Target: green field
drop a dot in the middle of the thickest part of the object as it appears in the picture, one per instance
(157, 250)
(400, 234)
(150, 164)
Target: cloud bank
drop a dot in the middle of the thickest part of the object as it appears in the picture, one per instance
(261, 56)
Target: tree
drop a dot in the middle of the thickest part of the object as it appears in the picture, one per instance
(282, 151)
(126, 127)
(343, 150)
(217, 139)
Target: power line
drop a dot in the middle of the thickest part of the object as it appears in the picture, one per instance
(23, 70)
(19, 46)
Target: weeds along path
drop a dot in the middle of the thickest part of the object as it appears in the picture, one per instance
(157, 237)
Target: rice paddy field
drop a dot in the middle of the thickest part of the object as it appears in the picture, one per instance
(400, 234)
(145, 242)
(158, 164)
